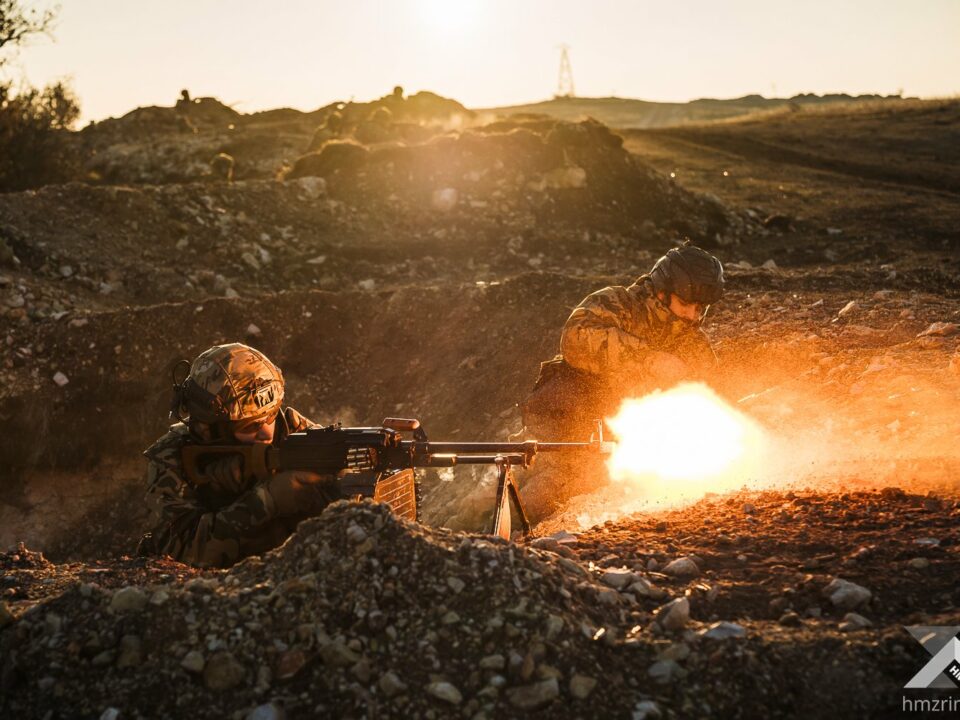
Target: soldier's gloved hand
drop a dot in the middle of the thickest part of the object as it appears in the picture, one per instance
(301, 493)
(226, 474)
(667, 369)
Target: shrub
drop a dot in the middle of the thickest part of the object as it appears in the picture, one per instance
(35, 143)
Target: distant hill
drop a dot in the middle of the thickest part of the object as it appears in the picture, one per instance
(629, 113)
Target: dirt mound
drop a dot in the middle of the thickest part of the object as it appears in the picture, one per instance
(162, 145)
(556, 172)
(362, 613)
(358, 609)
(473, 205)
(335, 155)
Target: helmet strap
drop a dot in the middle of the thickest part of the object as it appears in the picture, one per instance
(176, 402)
(282, 417)
(220, 432)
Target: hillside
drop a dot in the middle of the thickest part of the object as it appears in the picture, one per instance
(411, 266)
(631, 113)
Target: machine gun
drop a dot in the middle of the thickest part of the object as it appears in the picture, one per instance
(377, 462)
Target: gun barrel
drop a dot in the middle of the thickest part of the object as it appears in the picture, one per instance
(493, 448)
(470, 448)
(550, 446)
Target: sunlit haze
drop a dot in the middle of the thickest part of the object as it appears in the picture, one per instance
(302, 54)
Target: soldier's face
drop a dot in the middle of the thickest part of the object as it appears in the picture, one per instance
(691, 312)
(256, 432)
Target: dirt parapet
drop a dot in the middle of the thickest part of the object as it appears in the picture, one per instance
(557, 172)
(360, 612)
(162, 145)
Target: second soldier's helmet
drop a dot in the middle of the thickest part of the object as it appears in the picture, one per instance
(690, 272)
(229, 383)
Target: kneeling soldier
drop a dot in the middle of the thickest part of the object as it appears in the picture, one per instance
(623, 342)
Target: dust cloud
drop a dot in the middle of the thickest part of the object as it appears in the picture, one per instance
(894, 427)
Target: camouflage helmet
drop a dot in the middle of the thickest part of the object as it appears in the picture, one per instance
(231, 382)
(693, 274)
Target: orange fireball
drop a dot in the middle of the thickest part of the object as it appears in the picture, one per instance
(683, 442)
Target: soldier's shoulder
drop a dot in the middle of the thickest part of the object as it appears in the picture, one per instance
(166, 449)
(612, 294)
(642, 289)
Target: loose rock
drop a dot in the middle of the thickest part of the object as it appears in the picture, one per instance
(336, 654)
(683, 567)
(223, 672)
(646, 710)
(128, 599)
(193, 662)
(536, 695)
(391, 684)
(444, 691)
(853, 621)
(674, 615)
(722, 630)
(6, 617)
(618, 579)
(845, 594)
(941, 329)
(270, 711)
(663, 671)
(581, 686)
(130, 652)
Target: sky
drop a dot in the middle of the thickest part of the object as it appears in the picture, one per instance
(253, 55)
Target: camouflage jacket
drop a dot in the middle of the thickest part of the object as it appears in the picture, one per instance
(612, 332)
(206, 527)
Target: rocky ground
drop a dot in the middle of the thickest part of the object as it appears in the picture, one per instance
(426, 273)
(360, 615)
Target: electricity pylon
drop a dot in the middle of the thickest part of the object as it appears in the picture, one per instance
(565, 78)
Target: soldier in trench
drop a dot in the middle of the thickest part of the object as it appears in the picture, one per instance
(619, 342)
(233, 394)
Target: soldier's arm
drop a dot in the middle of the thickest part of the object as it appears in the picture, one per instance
(192, 533)
(593, 341)
(177, 507)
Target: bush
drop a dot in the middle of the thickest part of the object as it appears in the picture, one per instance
(35, 147)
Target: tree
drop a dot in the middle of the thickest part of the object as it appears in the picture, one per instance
(35, 147)
(18, 23)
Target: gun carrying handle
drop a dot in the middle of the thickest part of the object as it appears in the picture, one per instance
(402, 424)
(257, 460)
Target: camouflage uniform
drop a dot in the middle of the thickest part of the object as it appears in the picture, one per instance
(227, 514)
(606, 346)
(225, 518)
(612, 332)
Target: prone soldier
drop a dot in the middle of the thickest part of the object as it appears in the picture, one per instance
(233, 394)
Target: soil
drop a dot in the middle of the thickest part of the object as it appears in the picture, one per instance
(428, 278)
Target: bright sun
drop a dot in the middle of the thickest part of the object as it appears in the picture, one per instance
(449, 15)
